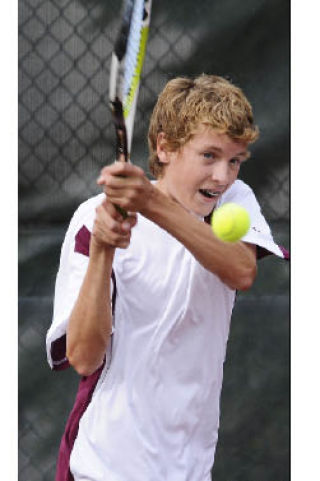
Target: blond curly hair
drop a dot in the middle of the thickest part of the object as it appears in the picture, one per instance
(185, 104)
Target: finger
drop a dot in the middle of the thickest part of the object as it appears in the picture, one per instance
(120, 201)
(110, 239)
(112, 210)
(132, 219)
(109, 229)
(119, 168)
(110, 171)
(126, 226)
(109, 181)
(121, 240)
(122, 191)
(103, 173)
(107, 221)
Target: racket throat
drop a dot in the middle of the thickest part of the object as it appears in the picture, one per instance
(121, 133)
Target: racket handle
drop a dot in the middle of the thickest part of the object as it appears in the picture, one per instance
(121, 211)
(122, 143)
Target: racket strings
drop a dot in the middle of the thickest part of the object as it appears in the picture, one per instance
(134, 51)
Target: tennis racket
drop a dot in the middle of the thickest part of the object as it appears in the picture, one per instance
(126, 66)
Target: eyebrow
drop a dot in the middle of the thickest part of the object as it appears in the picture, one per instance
(246, 154)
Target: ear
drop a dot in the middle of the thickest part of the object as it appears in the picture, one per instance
(162, 151)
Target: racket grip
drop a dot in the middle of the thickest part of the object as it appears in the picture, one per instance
(121, 211)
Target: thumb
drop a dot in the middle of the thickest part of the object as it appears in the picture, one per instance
(129, 222)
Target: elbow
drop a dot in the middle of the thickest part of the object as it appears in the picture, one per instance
(86, 353)
(245, 284)
(83, 368)
(246, 279)
(82, 363)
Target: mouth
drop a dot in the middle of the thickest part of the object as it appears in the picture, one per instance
(209, 193)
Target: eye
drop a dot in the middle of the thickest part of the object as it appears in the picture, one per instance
(235, 161)
(208, 155)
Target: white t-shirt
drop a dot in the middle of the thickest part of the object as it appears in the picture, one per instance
(154, 414)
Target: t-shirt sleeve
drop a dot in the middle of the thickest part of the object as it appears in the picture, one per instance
(72, 269)
(259, 232)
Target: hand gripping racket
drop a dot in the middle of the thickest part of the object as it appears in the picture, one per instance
(126, 66)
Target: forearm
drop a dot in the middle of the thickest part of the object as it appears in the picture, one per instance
(233, 263)
(127, 186)
(90, 323)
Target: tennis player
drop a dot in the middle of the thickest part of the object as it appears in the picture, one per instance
(143, 305)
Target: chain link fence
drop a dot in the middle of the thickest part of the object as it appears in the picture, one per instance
(66, 135)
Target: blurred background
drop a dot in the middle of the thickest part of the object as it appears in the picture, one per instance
(65, 137)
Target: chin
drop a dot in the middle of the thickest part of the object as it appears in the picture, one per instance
(203, 209)
(203, 212)
(206, 211)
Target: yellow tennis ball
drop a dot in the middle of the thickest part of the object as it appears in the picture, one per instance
(230, 222)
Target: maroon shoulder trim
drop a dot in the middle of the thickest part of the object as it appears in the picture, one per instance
(58, 348)
(285, 253)
(82, 241)
(58, 354)
(262, 252)
(84, 395)
(87, 384)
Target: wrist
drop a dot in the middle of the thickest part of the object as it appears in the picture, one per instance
(100, 250)
(156, 201)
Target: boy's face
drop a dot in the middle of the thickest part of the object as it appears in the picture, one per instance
(202, 170)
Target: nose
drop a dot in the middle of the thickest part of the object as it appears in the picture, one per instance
(220, 172)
